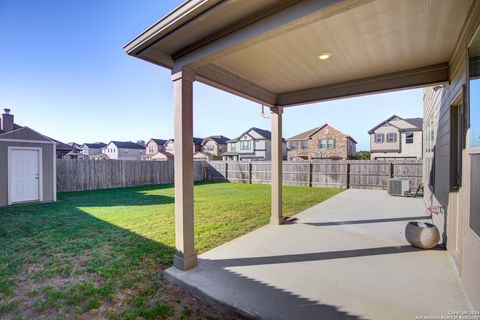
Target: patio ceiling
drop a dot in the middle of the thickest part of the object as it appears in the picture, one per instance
(267, 50)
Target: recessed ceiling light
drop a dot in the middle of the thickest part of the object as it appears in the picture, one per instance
(324, 55)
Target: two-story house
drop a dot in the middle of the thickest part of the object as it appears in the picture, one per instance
(253, 144)
(397, 138)
(91, 149)
(323, 142)
(123, 150)
(155, 150)
(212, 148)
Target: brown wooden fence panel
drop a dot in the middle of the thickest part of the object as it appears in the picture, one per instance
(79, 175)
(362, 174)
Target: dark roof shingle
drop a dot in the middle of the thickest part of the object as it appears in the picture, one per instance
(127, 145)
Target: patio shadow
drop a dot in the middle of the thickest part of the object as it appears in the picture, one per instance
(316, 256)
(267, 299)
(339, 223)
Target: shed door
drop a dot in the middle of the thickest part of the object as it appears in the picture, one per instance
(25, 175)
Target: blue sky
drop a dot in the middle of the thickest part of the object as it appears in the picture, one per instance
(63, 72)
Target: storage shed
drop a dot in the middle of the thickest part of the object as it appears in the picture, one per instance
(27, 164)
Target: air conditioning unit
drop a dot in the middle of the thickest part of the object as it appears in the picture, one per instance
(398, 187)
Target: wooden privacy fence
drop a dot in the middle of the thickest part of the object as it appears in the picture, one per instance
(79, 175)
(361, 174)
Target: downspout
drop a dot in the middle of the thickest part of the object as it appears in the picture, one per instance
(262, 112)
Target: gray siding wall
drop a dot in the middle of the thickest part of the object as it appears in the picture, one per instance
(47, 164)
(454, 203)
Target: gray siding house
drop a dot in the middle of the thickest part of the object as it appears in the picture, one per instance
(27, 164)
(253, 144)
(91, 149)
(397, 138)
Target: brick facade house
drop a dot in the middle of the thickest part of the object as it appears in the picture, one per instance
(323, 142)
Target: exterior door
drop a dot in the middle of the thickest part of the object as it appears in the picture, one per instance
(24, 175)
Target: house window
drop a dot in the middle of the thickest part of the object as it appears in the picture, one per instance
(331, 143)
(327, 143)
(233, 147)
(391, 137)
(150, 149)
(245, 145)
(378, 137)
(322, 144)
(304, 144)
(293, 145)
(409, 137)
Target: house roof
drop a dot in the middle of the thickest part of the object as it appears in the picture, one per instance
(63, 146)
(95, 145)
(218, 139)
(264, 133)
(416, 123)
(168, 155)
(197, 141)
(159, 142)
(126, 145)
(309, 133)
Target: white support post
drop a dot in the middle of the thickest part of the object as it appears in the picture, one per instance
(185, 257)
(276, 117)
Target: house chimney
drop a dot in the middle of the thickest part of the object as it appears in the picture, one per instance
(6, 123)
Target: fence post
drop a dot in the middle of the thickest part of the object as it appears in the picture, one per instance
(347, 175)
(390, 170)
(310, 172)
(249, 172)
(226, 171)
(205, 171)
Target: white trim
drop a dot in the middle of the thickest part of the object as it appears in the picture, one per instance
(28, 141)
(9, 175)
(475, 150)
(54, 174)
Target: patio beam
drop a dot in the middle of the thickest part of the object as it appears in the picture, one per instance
(413, 78)
(280, 18)
(185, 256)
(276, 166)
(222, 79)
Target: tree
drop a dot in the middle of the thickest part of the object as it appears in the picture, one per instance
(363, 155)
(141, 142)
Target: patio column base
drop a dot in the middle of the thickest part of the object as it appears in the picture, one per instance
(276, 220)
(184, 263)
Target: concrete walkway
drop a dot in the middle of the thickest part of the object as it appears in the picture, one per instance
(345, 258)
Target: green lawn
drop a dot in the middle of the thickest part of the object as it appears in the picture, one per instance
(102, 253)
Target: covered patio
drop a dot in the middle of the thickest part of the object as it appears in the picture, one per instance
(346, 258)
(282, 53)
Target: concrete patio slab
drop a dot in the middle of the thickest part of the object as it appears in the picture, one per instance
(345, 258)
